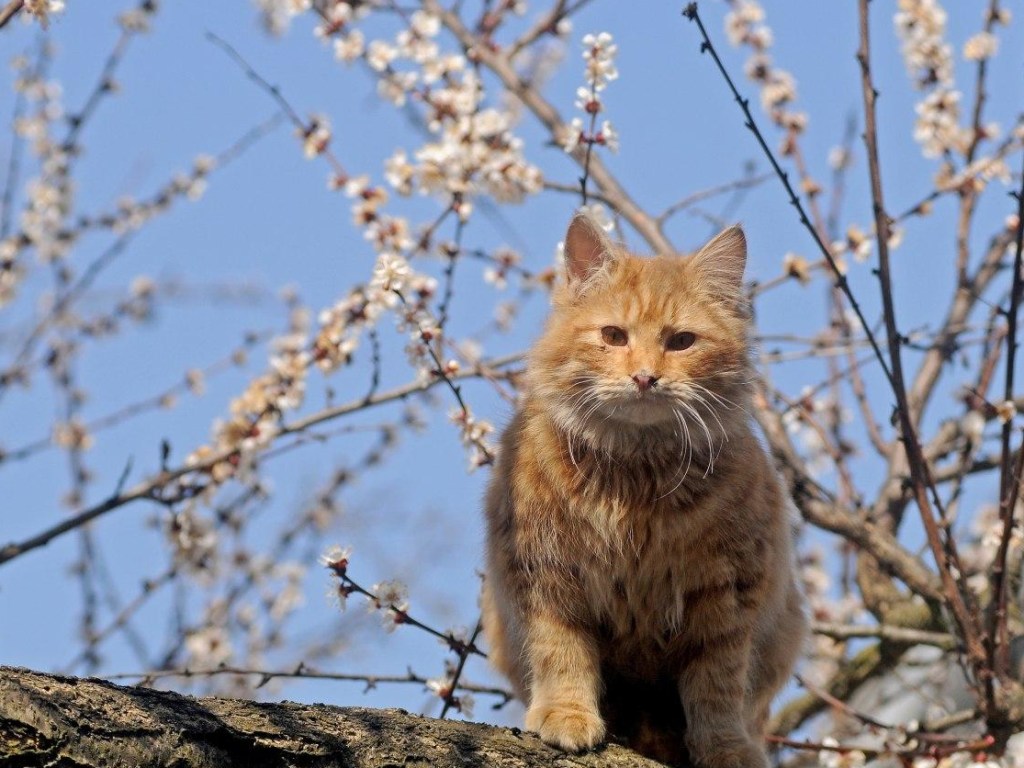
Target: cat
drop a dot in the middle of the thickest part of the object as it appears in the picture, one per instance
(640, 580)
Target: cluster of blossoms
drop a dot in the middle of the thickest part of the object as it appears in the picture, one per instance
(937, 127)
(51, 193)
(340, 328)
(444, 687)
(41, 10)
(384, 232)
(391, 598)
(208, 647)
(335, 22)
(921, 26)
(798, 421)
(824, 654)
(505, 260)
(45, 225)
(981, 46)
(342, 325)
(257, 413)
(975, 175)
(835, 755)
(72, 435)
(745, 25)
(859, 244)
(599, 54)
(138, 20)
(474, 432)
(475, 151)
(131, 214)
(242, 627)
(193, 542)
(986, 534)
(277, 15)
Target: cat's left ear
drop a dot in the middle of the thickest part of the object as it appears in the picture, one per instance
(587, 248)
(720, 263)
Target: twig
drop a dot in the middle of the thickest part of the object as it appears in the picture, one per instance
(841, 705)
(487, 455)
(301, 125)
(402, 616)
(8, 376)
(546, 25)
(885, 632)
(690, 12)
(149, 588)
(500, 65)
(104, 86)
(746, 182)
(9, 11)
(980, 93)
(304, 672)
(1009, 475)
(943, 549)
(449, 699)
(152, 402)
(147, 488)
(14, 159)
(449, 271)
(375, 362)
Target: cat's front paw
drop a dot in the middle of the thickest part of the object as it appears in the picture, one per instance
(567, 727)
(738, 754)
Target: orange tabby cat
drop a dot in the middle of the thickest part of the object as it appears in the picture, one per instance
(640, 579)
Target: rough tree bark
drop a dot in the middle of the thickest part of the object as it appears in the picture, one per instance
(68, 722)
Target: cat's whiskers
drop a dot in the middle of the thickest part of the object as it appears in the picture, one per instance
(585, 420)
(719, 398)
(582, 407)
(578, 394)
(707, 433)
(699, 399)
(685, 444)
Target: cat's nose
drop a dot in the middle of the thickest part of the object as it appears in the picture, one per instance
(644, 381)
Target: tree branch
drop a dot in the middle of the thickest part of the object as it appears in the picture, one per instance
(498, 63)
(71, 721)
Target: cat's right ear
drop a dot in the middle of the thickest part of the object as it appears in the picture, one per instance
(720, 263)
(587, 248)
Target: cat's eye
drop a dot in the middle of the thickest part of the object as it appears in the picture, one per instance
(614, 336)
(677, 342)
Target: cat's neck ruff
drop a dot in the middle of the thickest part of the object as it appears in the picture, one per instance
(622, 439)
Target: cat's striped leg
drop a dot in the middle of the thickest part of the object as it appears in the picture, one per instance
(713, 692)
(565, 684)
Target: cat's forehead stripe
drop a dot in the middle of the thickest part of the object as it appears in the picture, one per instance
(653, 290)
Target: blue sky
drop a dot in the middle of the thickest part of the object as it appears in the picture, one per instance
(269, 221)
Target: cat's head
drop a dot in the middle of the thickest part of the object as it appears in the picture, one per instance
(636, 346)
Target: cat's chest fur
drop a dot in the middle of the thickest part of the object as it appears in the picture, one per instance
(640, 566)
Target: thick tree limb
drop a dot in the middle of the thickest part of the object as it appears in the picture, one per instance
(67, 721)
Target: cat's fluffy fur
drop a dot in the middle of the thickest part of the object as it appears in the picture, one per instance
(640, 581)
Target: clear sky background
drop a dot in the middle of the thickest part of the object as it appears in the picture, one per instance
(268, 221)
